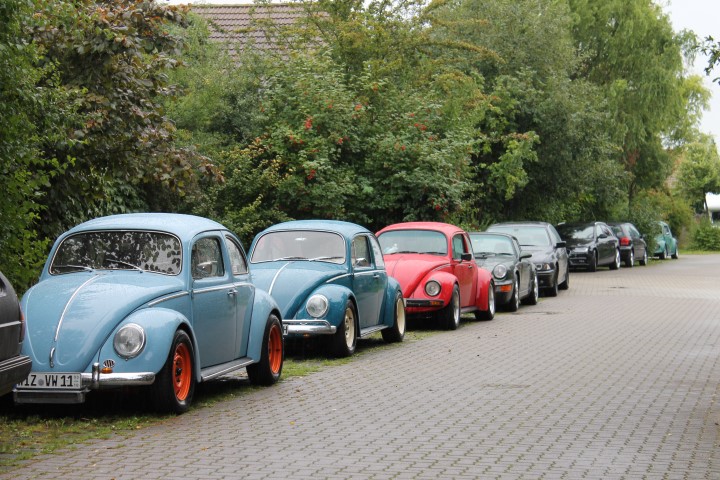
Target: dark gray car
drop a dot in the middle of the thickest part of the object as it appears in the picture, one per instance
(13, 367)
(548, 252)
(590, 245)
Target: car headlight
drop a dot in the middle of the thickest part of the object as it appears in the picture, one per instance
(580, 249)
(129, 341)
(317, 306)
(543, 267)
(500, 271)
(432, 288)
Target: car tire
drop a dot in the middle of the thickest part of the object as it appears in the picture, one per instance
(616, 263)
(175, 383)
(344, 341)
(488, 314)
(532, 299)
(552, 290)
(565, 284)
(450, 315)
(663, 255)
(676, 255)
(514, 303)
(396, 333)
(630, 262)
(592, 266)
(267, 371)
(644, 260)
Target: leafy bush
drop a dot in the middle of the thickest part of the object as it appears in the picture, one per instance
(706, 237)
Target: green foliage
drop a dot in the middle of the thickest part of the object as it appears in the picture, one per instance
(698, 172)
(706, 236)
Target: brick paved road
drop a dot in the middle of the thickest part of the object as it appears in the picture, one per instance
(615, 378)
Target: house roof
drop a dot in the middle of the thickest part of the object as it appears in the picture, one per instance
(248, 25)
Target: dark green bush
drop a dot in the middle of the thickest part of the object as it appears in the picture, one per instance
(706, 237)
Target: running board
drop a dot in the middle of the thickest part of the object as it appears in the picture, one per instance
(468, 309)
(370, 330)
(217, 370)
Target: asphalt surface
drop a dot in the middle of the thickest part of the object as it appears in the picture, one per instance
(615, 378)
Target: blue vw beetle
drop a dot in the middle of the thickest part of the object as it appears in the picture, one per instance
(156, 299)
(329, 279)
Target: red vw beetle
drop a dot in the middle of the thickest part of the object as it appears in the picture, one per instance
(435, 266)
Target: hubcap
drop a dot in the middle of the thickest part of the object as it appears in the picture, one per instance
(400, 315)
(491, 300)
(349, 327)
(456, 307)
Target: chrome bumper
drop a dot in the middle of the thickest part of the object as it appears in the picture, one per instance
(308, 327)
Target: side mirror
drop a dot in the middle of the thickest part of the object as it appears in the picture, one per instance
(603, 235)
(561, 245)
(466, 257)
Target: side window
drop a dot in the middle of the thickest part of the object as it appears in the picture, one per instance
(360, 252)
(377, 253)
(238, 264)
(554, 236)
(634, 233)
(458, 246)
(206, 259)
(607, 231)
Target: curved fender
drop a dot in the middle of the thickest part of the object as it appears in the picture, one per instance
(446, 280)
(160, 325)
(263, 306)
(481, 298)
(388, 312)
(337, 296)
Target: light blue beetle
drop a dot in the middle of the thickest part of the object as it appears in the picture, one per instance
(329, 279)
(162, 300)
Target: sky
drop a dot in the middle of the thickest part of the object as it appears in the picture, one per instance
(700, 16)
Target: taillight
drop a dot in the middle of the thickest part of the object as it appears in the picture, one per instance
(625, 241)
(22, 326)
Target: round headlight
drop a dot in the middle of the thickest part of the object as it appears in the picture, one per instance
(129, 341)
(317, 306)
(432, 288)
(500, 271)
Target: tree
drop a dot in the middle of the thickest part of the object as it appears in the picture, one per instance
(699, 171)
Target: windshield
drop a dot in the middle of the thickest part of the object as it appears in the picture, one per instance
(577, 232)
(413, 241)
(299, 245)
(527, 235)
(119, 250)
(484, 245)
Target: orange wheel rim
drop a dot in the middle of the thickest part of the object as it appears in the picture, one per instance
(182, 371)
(275, 349)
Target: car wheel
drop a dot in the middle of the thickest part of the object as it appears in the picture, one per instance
(663, 254)
(566, 284)
(267, 370)
(175, 383)
(343, 343)
(592, 265)
(532, 299)
(676, 255)
(644, 260)
(514, 303)
(488, 314)
(396, 333)
(450, 315)
(616, 263)
(552, 290)
(630, 262)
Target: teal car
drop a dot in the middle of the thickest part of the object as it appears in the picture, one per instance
(155, 301)
(666, 244)
(329, 279)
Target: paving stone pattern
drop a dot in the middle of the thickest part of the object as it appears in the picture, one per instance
(616, 378)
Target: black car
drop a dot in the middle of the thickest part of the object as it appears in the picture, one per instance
(511, 268)
(548, 252)
(632, 243)
(591, 244)
(13, 366)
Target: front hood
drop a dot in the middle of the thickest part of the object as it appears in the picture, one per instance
(576, 242)
(410, 268)
(539, 254)
(290, 282)
(491, 261)
(82, 309)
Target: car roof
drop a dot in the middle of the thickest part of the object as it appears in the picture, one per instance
(446, 228)
(346, 229)
(521, 224)
(183, 226)
(492, 234)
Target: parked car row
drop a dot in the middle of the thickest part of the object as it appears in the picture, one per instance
(165, 301)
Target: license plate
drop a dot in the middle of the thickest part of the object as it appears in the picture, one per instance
(62, 381)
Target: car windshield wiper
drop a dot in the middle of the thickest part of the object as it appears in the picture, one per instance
(404, 251)
(435, 253)
(121, 262)
(503, 253)
(73, 267)
(316, 259)
(484, 254)
(289, 258)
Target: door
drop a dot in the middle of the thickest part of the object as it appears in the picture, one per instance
(464, 270)
(369, 282)
(214, 302)
(606, 244)
(244, 296)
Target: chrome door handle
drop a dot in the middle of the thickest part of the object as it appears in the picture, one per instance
(232, 292)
